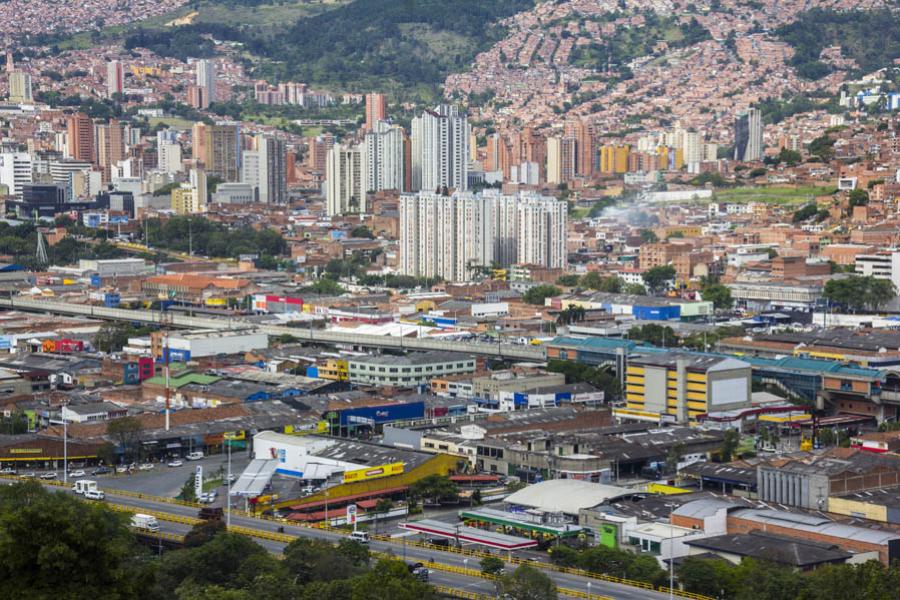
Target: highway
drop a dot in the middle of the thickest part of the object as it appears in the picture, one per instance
(509, 351)
(449, 568)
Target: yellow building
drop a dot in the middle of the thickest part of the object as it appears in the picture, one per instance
(190, 198)
(675, 387)
(614, 159)
(141, 71)
(670, 158)
(334, 369)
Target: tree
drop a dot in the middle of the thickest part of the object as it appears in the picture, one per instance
(55, 546)
(491, 565)
(858, 197)
(576, 372)
(708, 577)
(657, 335)
(594, 281)
(857, 293)
(648, 237)
(658, 279)
(390, 579)
(538, 294)
(807, 212)
(568, 280)
(528, 583)
(435, 488)
(361, 231)
(674, 457)
(125, 431)
(203, 532)
(634, 289)
(719, 295)
(319, 560)
(730, 443)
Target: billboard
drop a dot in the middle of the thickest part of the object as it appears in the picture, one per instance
(368, 473)
(400, 411)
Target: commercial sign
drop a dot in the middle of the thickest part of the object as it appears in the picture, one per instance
(351, 514)
(25, 450)
(374, 472)
(198, 481)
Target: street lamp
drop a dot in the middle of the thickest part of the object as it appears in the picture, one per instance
(228, 499)
(465, 564)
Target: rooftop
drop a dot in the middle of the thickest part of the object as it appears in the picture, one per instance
(776, 548)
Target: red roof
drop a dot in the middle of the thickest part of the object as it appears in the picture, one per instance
(474, 478)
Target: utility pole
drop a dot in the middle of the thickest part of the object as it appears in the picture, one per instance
(228, 499)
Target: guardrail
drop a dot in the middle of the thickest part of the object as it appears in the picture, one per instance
(336, 337)
(458, 593)
(684, 594)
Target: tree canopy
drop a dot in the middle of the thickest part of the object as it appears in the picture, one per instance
(658, 279)
(860, 293)
(538, 294)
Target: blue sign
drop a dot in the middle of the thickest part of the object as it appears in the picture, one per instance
(384, 414)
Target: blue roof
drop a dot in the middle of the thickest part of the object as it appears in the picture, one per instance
(9, 268)
(814, 365)
(599, 343)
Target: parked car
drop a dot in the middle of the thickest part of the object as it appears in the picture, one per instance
(232, 478)
(175, 463)
(101, 471)
(196, 455)
(123, 469)
(77, 473)
(7, 471)
(48, 475)
(145, 467)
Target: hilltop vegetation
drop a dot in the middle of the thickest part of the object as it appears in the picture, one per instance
(871, 38)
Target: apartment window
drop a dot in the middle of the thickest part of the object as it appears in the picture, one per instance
(393, 369)
(418, 369)
(459, 365)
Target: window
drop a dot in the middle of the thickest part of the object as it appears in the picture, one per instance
(393, 370)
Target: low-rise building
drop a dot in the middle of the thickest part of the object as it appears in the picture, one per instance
(410, 370)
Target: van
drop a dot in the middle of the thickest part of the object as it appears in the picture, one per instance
(82, 486)
(95, 495)
(361, 537)
(146, 522)
(194, 455)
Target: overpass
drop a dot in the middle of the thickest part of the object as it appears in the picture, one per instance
(500, 350)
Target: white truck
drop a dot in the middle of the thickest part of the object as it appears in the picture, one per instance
(146, 522)
(83, 486)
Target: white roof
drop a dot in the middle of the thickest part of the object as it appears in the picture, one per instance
(565, 495)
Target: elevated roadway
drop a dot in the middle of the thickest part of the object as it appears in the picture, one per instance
(506, 351)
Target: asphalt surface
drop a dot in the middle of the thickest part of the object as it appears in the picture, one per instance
(402, 551)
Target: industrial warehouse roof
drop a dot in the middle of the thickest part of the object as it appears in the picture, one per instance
(349, 450)
(413, 358)
(776, 548)
(176, 382)
(705, 362)
(815, 524)
(565, 495)
(814, 365)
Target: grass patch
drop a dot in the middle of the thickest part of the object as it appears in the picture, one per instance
(772, 195)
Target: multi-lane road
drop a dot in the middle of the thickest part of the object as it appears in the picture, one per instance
(446, 566)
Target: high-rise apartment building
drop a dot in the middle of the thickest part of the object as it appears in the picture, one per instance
(439, 149)
(20, 88)
(198, 142)
(80, 137)
(223, 151)
(115, 78)
(16, 171)
(198, 97)
(263, 168)
(384, 158)
(450, 236)
(580, 131)
(748, 136)
(206, 78)
(376, 110)
(168, 157)
(111, 147)
(561, 159)
(345, 180)
(319, 148)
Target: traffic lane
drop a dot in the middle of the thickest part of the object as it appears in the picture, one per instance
(412, 553)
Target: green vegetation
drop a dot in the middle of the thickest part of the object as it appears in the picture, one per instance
(760, 580)
(54, 545)
(527, 583)
(856, 293)
(434, 488)
(612, 561)
(855, 31)
(718, 294)
(634, 289)
(772, 194)
(659, 278)
(599, 377)
(594, 281)
(212, 239)
(538, 294)
(20, 242)
(629, 43)
(654, 334)
(113, 335)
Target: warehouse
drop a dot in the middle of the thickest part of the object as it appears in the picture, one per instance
(183, 346)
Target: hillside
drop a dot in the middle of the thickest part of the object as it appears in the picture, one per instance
(375, 44)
